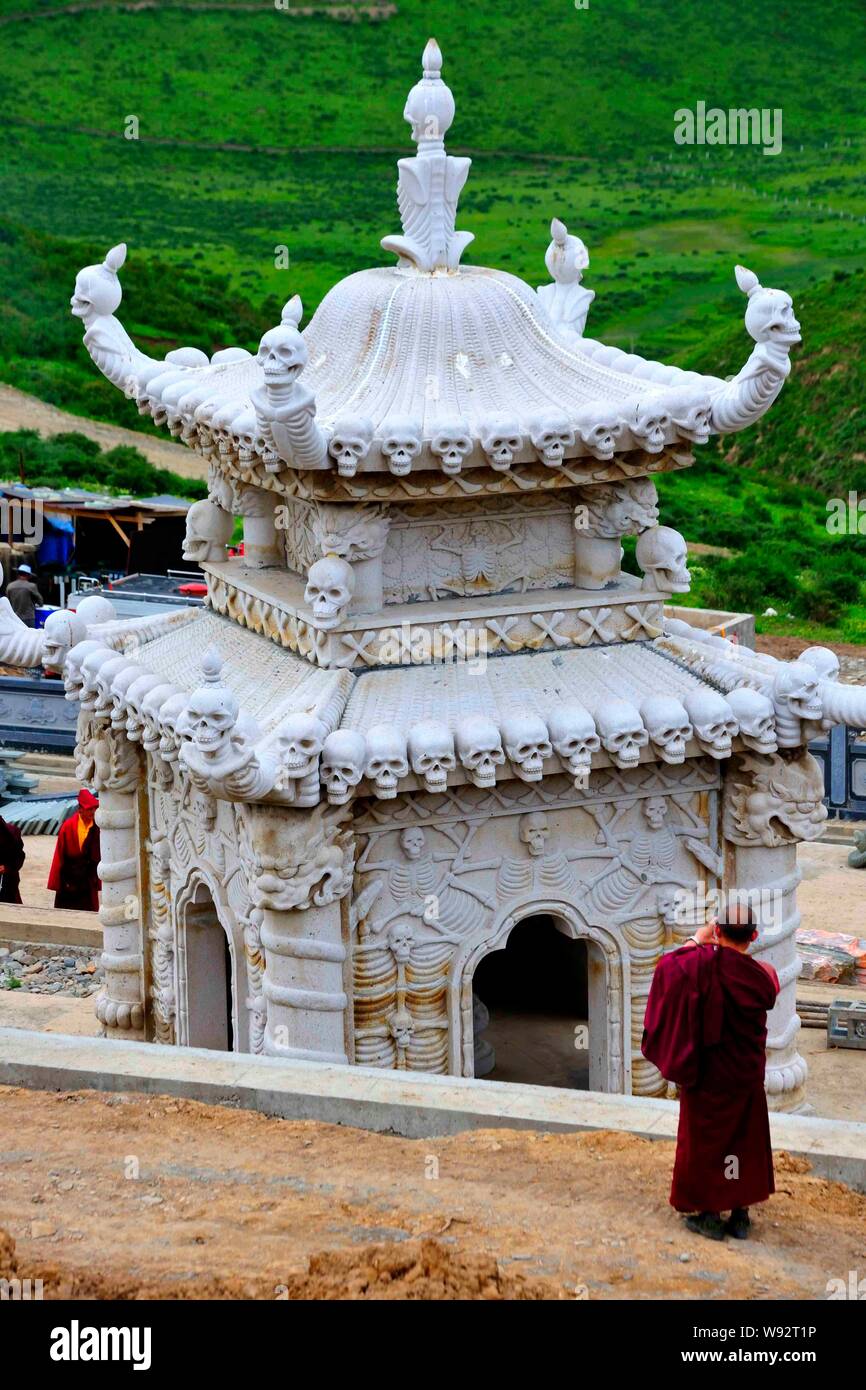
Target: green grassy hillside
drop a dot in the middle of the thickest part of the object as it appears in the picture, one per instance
(261, 128)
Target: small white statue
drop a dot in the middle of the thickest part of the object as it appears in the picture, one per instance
(566, 302)
(208, 532)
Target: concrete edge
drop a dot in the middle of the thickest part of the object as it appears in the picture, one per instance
(410, 1104)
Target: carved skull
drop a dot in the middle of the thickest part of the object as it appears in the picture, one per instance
(282, 355)
(822, 660)
(400, 446)
(599, 436)
(413, 841)
(574, 737)
(533, 831)
(74, 675)
(551, 435)
(451, 444)
(661, 553)
(211, 713)
(169, 717)
(401, 1026)
(526, 745)
(97, 288)
(713, 720)
(62, 631)
(99, 673)
(479, 748)
(431, 753)
(797, 688)
(501, 440)
(622, 731)
(208, 532)
(350, 443)
(151, 712)
(330, 586)
(769, 313)
(756, 717)
(649, 425)
(120, 684)
(669, 726)
(401, 939)
(95, 609)
(344, 755)
(692, 415)
(386, 759)
(135, 696)
(300, 742)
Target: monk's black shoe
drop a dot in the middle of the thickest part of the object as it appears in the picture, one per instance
(707, 1223)
(738, 1224)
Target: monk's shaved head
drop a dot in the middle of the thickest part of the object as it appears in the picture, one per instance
(737, 923)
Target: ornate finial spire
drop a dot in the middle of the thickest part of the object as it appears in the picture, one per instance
(429, 184)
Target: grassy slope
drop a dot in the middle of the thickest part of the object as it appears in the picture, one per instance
(564, 111)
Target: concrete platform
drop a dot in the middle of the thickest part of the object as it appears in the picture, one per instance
(408, 1104)
(24, 924)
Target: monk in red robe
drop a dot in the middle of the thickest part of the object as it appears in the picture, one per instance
(75, 868)
(706, 1030)
(11, 859)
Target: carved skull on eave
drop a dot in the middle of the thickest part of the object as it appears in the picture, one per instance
(756, 717)
(400, 446)
(451, 443)
(330, 586)
(479, 748)
(431, 753)
(649, 425)
(551, 436)
(386, 759)
(151, 711)
(62, 631)
(622, 731)
(169, 717)
(211, 713)
(350, 443)
(208, 532)
(599, 436)
(574, 737)
(299, 744)
(797, 687)
(714, 722)
(669, 726)
(344, 755)
(282, 355)
(526, 745)
(501, 440)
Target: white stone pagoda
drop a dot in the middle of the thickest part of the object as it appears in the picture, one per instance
(427, 704)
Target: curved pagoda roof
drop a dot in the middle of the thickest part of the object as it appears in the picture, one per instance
(431, 364)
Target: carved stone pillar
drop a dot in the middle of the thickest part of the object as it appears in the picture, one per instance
(262, 543)
(302, 867)
(110, 762)
(769, 804)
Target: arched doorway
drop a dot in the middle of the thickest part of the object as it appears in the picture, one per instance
(558, 996)
(206, 969)
(534, 991)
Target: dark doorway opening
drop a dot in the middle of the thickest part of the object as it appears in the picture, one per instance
(536, 991)
(208, 976)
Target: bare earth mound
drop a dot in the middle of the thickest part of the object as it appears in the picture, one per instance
(148, 1197)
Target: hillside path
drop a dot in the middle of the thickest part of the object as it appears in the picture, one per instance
(18, 411)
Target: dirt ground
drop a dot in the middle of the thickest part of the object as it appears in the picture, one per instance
(133, 1196)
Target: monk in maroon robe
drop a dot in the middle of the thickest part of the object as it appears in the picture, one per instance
(11, 859)
(74, 872)
(706, 1030)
